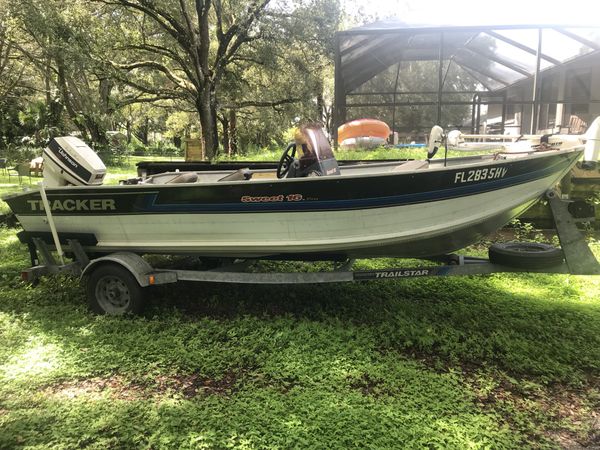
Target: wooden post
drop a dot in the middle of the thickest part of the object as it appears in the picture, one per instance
(194, 150)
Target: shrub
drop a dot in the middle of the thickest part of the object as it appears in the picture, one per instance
(19, 153)
(112, 156)
(139, 150)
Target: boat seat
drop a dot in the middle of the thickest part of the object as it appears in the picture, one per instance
(411, 165)
(238, 175)
(184, 177)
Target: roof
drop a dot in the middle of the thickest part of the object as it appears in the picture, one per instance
(497, 56)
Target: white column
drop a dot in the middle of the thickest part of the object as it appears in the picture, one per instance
(560, 107)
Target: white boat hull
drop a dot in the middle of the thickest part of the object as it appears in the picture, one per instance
(415, 230)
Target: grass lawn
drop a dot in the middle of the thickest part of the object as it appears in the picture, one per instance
(501, 361)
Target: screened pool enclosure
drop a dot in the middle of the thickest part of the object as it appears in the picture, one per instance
(498, 79)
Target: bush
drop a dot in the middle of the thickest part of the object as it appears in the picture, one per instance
(112, 156)
(172, 151)
(19, 153)
(160, 149)
(138, 150)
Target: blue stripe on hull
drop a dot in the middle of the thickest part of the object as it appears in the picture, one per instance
(151, 206)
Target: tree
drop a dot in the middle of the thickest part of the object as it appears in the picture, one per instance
(282, 76)
(247, 70)
(56, 42)
(16, 80)
(191, 53)
(67, 44)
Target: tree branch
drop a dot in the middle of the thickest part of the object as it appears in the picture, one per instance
(161, 17)
(203, 48)
(238, 34)
(261, 104)
(180, 82)
(138, 99)
(151, 90)
(171, 54)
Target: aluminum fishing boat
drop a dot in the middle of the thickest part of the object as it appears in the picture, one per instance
(309, 208)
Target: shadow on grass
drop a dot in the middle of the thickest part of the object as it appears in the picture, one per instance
(258, 419)
(506, 322)
(547, 326)
(293, 365)
(530, 324)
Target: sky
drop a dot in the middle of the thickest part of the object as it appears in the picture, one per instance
(482, 12)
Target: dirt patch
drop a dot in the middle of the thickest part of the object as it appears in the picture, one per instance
(165, 386)
(565, 415)
(368, 386)
(96, 388)
(193, 385)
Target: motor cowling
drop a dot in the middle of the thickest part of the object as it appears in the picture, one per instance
(592, 146)
(436, 139)
(70, 161)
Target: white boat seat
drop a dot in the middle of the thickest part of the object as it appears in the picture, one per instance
(411, 165)
(184, 177)
(238, 175)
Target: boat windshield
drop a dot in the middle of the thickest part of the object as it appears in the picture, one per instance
(314, 154)
(317, 145)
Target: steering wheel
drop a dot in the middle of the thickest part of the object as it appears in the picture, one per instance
(286, 161)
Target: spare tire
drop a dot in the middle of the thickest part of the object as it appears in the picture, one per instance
(526, 255)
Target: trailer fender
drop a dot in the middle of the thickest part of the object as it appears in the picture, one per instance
(143, 272)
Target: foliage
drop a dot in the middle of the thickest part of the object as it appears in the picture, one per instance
(181, 124)
(57, 42)
(108, 65)
(479, 362)
(525, 231)
(20, 153)
(111, 155)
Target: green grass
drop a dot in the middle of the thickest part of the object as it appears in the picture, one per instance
(501, 361)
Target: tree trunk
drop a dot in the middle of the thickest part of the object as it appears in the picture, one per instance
(105, 87)
(208, 120)
(97, 132)
(64, 92)
(233, 145)
(225, 138)
(144, 131)
(320, 104)
(47, 80)
(128, 128)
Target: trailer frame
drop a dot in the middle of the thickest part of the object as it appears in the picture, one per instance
(578, 259)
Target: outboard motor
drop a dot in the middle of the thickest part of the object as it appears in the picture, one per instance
(69, 161)
(455, 138)
(591, 154)
(436, 139)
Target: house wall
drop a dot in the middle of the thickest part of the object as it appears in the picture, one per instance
(578, 81)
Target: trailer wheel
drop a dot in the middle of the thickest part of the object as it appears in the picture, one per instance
(111, 289)
(526, 255)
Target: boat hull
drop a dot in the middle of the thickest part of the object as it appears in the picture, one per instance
(418, 214)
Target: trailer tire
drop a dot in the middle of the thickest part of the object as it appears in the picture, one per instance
(112, 290)
(526, 255)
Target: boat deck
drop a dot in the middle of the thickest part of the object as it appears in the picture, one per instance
(359, 168)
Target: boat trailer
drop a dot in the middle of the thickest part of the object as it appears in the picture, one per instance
(114, 282)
